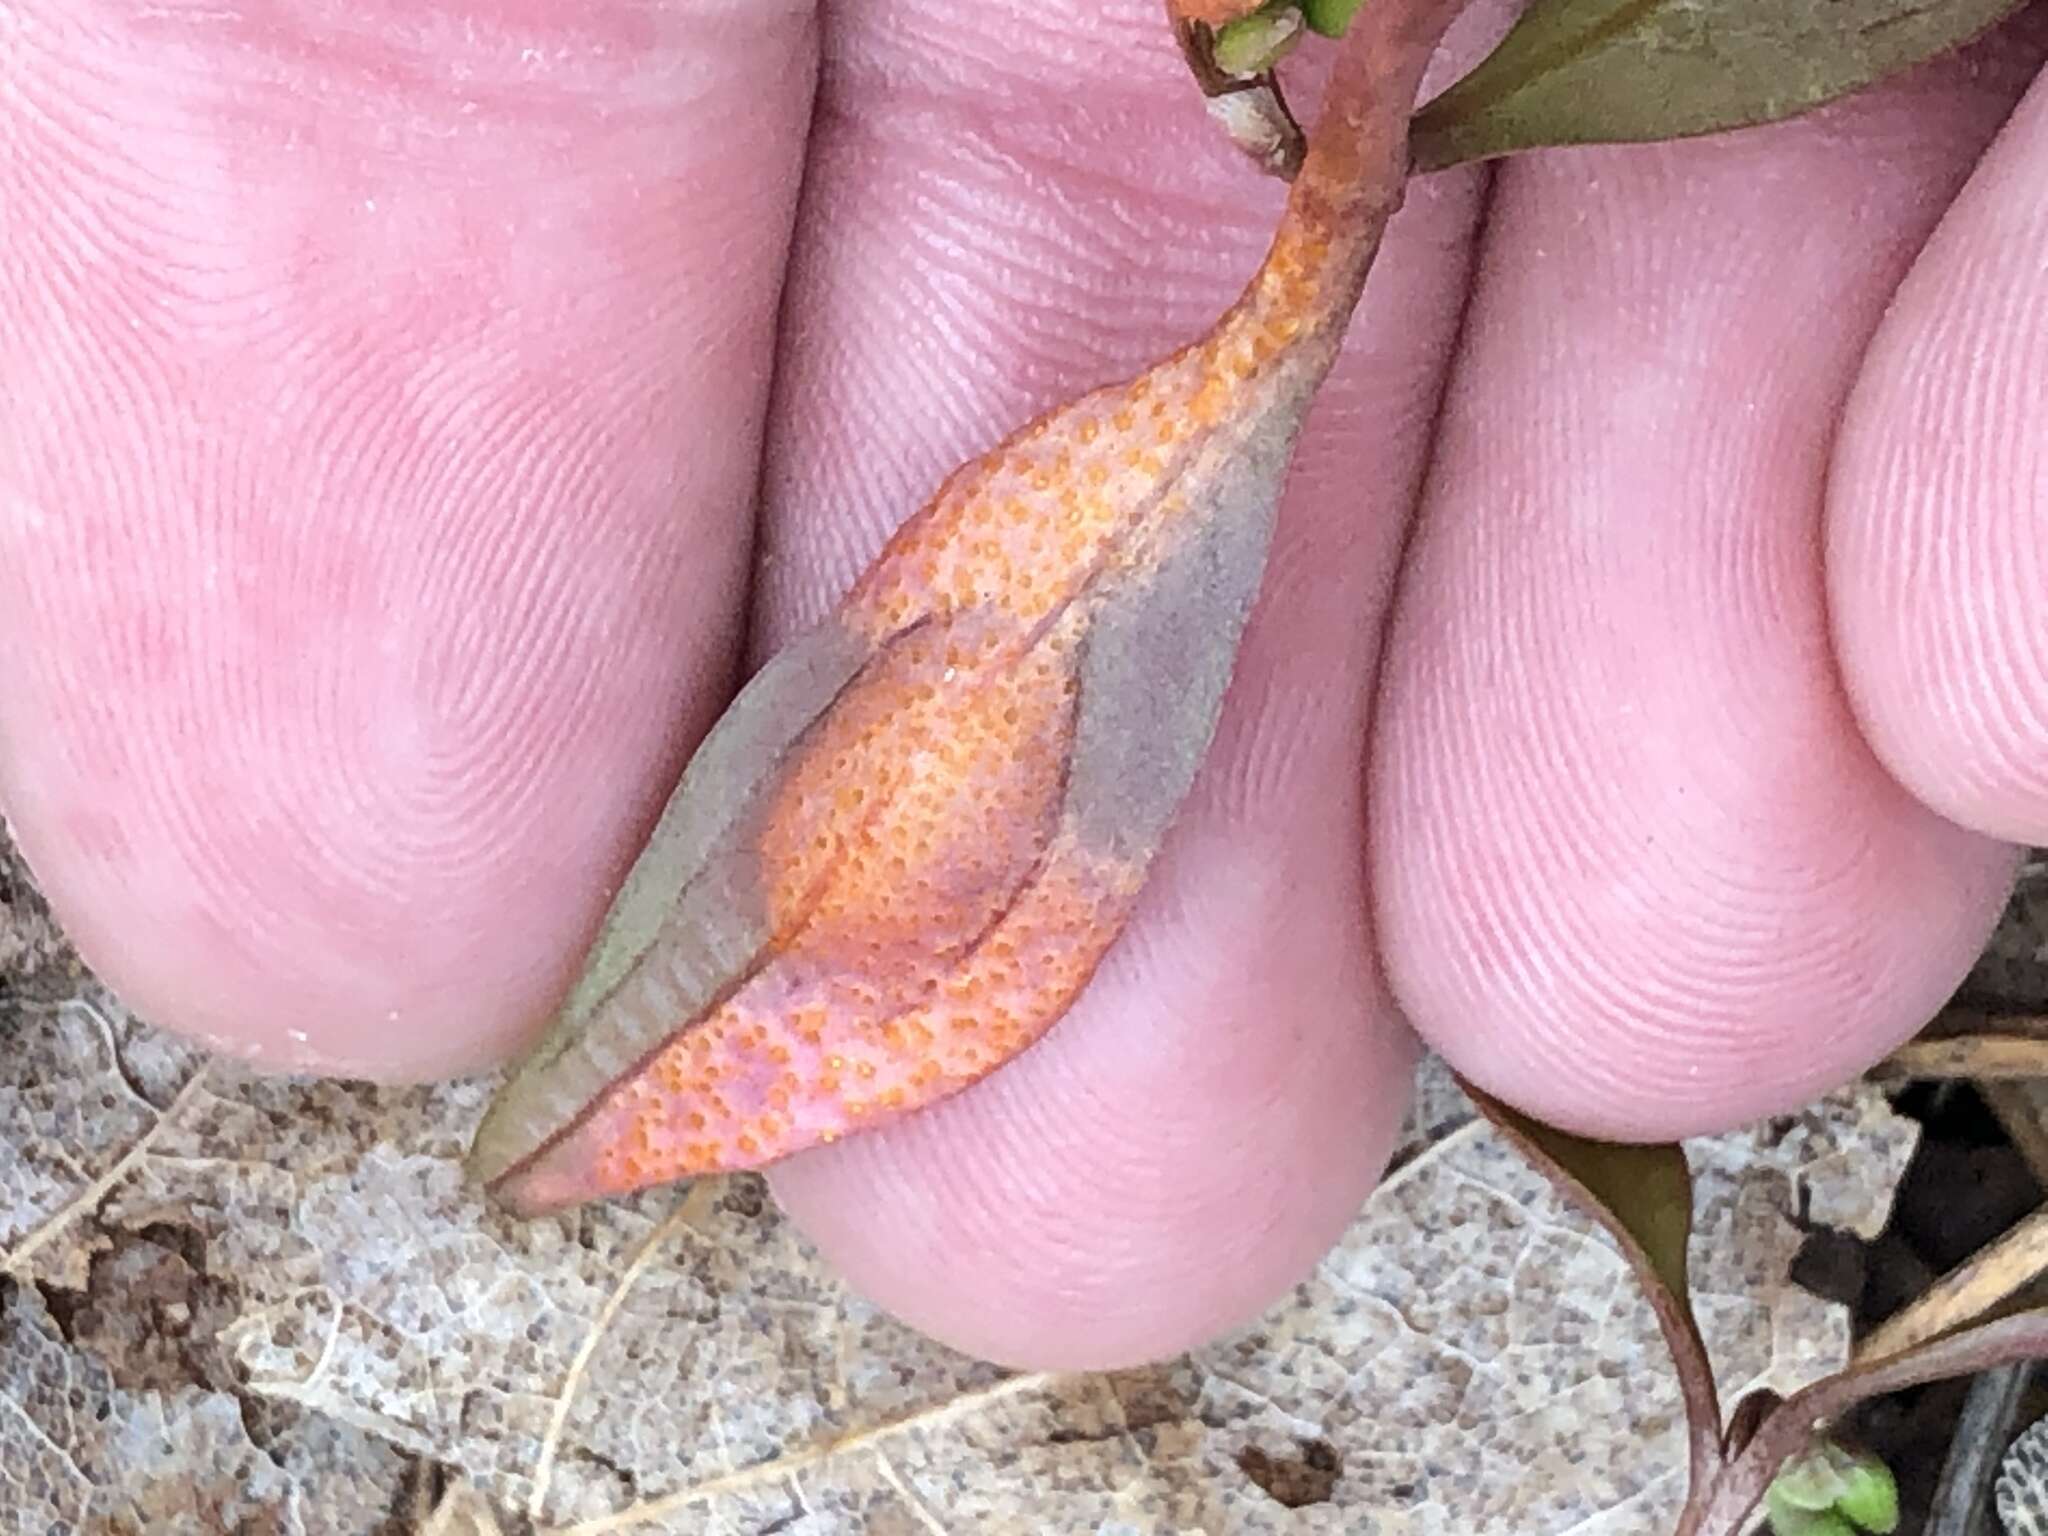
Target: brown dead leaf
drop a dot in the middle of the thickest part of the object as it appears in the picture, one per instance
(83, 1454)
(319, 1307)
(1434, 1371)
(36, 962)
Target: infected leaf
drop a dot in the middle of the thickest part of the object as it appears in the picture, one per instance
(901, 855)
(1213, 14)
(1624, 71)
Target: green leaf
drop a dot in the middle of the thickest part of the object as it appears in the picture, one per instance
(1854, 1486)
(1626, 71)
(1870, 1498)
(1811, 1482)
(1642, 1195)
(1791, 1520)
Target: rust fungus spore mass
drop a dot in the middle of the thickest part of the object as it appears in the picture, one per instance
(902, 853)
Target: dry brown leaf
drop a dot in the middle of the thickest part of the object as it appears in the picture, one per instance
(90, 1444)
(36, 962)
(1433, 1372)
(288, 1290)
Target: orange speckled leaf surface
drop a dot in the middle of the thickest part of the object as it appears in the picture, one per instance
(1213, 13)
(902, 853)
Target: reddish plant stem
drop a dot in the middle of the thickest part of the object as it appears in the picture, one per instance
(1356, 170)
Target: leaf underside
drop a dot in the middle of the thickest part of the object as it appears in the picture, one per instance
(1633, 71)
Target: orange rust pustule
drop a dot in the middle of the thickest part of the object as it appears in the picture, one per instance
(1214, 13)
(918, 809)
(807, 1051)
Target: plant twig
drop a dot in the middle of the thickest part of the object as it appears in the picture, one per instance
(1788, 1430)
(1967, 1292)
(2022, 1112)
(1951, 1022)
(1982, 1058)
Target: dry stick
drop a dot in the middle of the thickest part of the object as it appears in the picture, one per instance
(1951, 1022)
(1986, 1058)
(2022, 1111)
(1967, 1292)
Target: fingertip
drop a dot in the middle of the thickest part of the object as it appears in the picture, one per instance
(357, 590)
(1938, 506)
(1636, 870)
(1152, 1175)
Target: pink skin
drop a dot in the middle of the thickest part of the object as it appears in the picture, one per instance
(381, 421)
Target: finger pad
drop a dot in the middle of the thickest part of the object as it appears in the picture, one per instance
(1180, 1149)
(363, 589)
(1938, 532)
(1637, 871)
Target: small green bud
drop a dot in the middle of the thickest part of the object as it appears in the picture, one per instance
(1253, 44)
(1870, 1496)
(1790, 1519)
(1831, 1491)
(1330, 17)
(1810, 1482)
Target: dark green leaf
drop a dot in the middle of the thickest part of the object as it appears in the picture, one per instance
(1625, 71)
